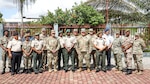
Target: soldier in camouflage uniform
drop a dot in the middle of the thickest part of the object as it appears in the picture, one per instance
(116, 48)
(127, 49)
(83, 46)
(3, 44)
(100, 45)
(75, 34)
(53, 46)
(43, 37)
(138, 46)
(92, 37)
(27, 50)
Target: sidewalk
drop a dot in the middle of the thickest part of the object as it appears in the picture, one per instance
(84, 77)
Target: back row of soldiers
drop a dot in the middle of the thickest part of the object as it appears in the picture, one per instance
(47, 50)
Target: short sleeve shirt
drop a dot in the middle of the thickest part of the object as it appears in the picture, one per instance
(15, 45)
(37, 44)
(69, 41)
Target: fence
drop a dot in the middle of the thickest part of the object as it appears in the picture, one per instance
(143, 30)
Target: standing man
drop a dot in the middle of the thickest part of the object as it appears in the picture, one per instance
(37, 47)
(116, 48)
(138, 46)
(3, 44)
(15, 53)
(52, 49)
(69, 50)
(92, 37)
(100, 45)
(61, 50)
(43, 37)
(75, 34)
(127, 49)
(83, 46)
(109, 41)
(27, 50)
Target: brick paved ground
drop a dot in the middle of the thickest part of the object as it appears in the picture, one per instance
(84, 77)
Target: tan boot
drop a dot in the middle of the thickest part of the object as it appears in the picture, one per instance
(50, 70)
(139, 73)
(114, 69)
(88, 70)
(118, 72)
(136, 71)
(55, 70)
(79, 70)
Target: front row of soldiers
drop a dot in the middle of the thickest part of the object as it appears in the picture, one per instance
(77, 47)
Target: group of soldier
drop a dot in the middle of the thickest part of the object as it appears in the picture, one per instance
(41, 51)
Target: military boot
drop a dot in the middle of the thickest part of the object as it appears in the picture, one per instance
(129, 71)
(3, 71)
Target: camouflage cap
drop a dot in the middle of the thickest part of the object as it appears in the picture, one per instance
(117, 32)
(37, 34)
(75, 30)
(52, 31)
(26, 35)
(90, 29)
(43, 29)
(83, 30)
(137, 34)
(127, 30)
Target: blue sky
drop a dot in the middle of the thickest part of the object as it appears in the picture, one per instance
(8, 12)
(9, 9)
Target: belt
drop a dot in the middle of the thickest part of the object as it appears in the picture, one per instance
(16, 51)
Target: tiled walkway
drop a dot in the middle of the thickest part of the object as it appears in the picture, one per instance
(70, 77)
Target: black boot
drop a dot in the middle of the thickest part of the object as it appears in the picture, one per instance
(129, 71)
(3, 71)
(29, 71)
(26, 71)
(9, 69)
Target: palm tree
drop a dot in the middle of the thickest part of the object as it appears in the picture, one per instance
(20, 5)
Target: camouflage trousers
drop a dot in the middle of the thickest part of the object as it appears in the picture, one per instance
(4, 59)
(86, 56)
(128, 60)
(118, 61)
(138, 61)
(27, 62)
(52, 58)
(44, 59)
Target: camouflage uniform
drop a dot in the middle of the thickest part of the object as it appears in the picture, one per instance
(52, 44)
(138, 45)
(117, 53)
(44, 53)
(76, 52)
(83, 47)
(128, 53)
(92, 49)
(4, 42)
(27, 59)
